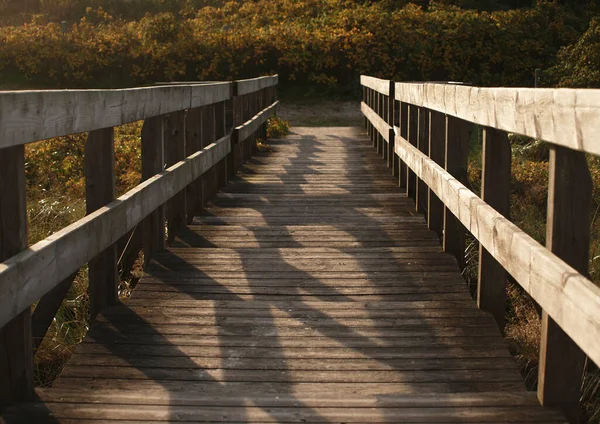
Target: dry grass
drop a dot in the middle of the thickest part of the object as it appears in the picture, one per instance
(55, 199)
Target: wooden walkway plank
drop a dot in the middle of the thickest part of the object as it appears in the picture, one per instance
(308, 290)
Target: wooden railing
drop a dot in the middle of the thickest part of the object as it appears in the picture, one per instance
(194, 137)
(422, 129)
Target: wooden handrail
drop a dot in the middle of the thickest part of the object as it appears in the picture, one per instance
(562, 116)
(190, 127)
(555, 276)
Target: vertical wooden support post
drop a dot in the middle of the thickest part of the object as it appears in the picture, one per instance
(175, 152)
(231, 121)
(412, 131)
(391, 156)
(568, 237)
(437, 152)
(384, 115)
(374, 100)
(207, 135)
(193, 192)
(364, 99)
(422, 197)
(380, 112)
(370, 104)
(153, 162)
(367, 122)
(403, 124)
(495, 191)
(16, 352)
(456, 163)
(220, 167)
(238, 117)
(103, 274)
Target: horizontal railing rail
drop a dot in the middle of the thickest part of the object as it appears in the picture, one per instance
(424, 127)
(193, 139)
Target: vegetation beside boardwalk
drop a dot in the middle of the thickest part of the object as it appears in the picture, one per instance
(319, 47)
(55, 199)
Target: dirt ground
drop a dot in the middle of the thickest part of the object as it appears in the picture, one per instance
(341, 113)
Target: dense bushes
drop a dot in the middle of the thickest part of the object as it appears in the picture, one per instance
(325, 42)
(579, 64)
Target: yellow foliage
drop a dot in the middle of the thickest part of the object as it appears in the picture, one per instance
(324, 42)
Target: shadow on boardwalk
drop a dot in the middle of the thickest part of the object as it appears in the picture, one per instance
(308, 291)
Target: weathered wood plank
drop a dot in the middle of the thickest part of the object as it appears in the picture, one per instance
(376, 84)
(565, 117)
(251, 126)
(153, 160)
(423, 144)
(37, 115)
(567, 296)
(249, 86)
(100, 191)
(50, 261)
(378, 123)
(568, 236)
(175, 151)
(456, 164)
(495, 191)
(193, 143)
(16, 359)
(437, 146)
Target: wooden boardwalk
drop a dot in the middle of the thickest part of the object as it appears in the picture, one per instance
(309, 291)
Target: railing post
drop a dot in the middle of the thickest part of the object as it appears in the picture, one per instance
(364, 99)
(221, 166)
(373, 106)
(422, 198)
(231, 124)
(103, 275)
(16, 353)
(413, 133)
(391, 155)
(495, 191)
(207, 136)
(383, 115)
(456, 163)
(568, 237)
(437, 152)
(192, 145)
(175, 152)
(238, 119)
(403, 124)
(153, 161)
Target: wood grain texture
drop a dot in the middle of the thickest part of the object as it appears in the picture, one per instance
(495, 191)
(565, 117)
(437, 147)
(379, 124)
(153, 161)
(28, 116)
(568, 236)
(568, 297)
(252, 125)
(100, 191)
(45, 264)
(378, 85)
(244, 322)
(423, 144)
(253, 85)
(456, 164)
(194, 200)
(16, 360)
(175, 151)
